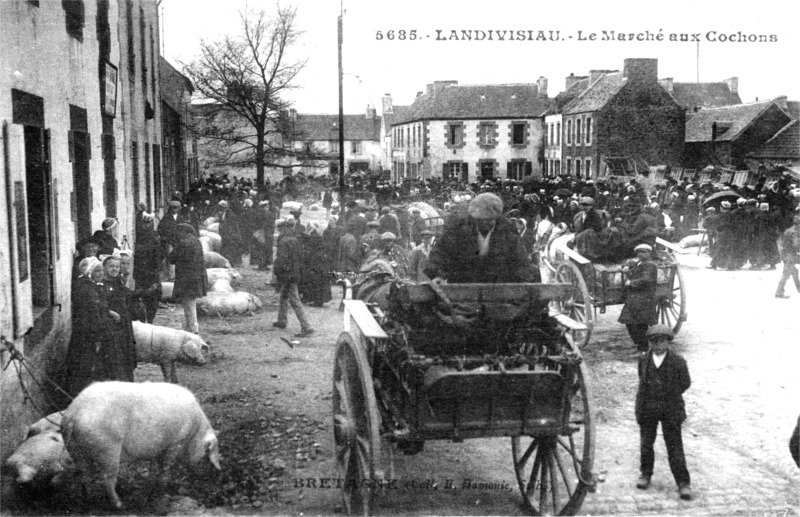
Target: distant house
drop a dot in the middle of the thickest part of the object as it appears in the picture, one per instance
(318, 135)
(469, 132)
(389, 114)
(178, 146)
(724, 137)
(621, 117)
(782, 151)
(552, 148)
(694, 96)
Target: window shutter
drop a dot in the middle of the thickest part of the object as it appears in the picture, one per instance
(510, 170)
(528, 168)
(73, 207)
(88, 147)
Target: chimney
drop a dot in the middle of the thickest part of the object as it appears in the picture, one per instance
(419, 94)
(667, 83)
(370, 112)
(387, 104)
(542, 84)
(733, 84)
(438, 86)
(429, 89)
(641, 69)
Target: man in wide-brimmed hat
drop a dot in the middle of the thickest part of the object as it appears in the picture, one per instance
(482, 246)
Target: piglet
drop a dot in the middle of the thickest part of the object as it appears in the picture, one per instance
(112, 422)
(41, 457)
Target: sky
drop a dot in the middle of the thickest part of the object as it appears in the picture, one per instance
(375, 64)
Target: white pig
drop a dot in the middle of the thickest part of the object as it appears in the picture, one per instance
(231, 275)
(209, 221)
(41, 457)
(213, 227)
(112, 422)
(213, 259)
(224, 304)
(221, 285)
(214, 238)
(166, 291)
(164, 346)
(205, 242)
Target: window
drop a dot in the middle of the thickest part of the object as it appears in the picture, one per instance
(518, 133)
(408, 136)
(588, 130)
(129, 29)
(578, 135)
(74, 13)
(455, 135)
(569, 165)
(487, 169)
(588, 165)
(578, 168)
(457, 171)
(550, 127)
(558, 133)
(355, 147)
(333, 145)
(486, 134)
(518, 169)
(569, 132)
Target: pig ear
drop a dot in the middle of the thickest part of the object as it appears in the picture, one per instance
(212, 450)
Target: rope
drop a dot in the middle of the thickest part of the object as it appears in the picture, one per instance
(21, 362)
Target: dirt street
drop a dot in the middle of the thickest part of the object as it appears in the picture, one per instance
(271, 405)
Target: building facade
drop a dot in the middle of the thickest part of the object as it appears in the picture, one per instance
(179, 146)
(81, 140)
(472, 132)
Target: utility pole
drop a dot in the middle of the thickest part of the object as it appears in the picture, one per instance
(341, 127)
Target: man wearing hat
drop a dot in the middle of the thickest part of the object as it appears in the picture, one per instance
(417, 226)
(288, 270)
(230, 230)
(639, 312)
(391, 252)
(419, 257)
(663, 378)
(388, 222)
(636, 227)
(372, 239)
(480, 247)
(191, 281)
(106, 237)
(586, 205)
(168, 230)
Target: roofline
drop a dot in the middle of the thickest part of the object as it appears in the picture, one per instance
(429, 119)
(782, 130)
(589, 87)
(765, 108)
(733, 137)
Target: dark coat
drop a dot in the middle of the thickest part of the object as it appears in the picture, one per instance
(455, 255)
(638, 229)
(106, 242)
(191, 280)
(230, 230)
(146, 260)
(288, 266)
(315, 287)
(168, 229)
(640, 296)
(677, 374)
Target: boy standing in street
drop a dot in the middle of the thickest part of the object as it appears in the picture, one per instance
(663, 377)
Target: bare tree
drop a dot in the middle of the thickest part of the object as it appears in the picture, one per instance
(242, 80)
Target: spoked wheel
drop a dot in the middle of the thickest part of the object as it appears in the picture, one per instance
(671, 308)
(355, 426)
(579, 306)
(555, 472)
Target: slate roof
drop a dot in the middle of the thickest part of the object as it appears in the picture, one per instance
(326, 127)
(784, 145)
(479, 101)
(597, 94)
(704, 95)
(565, 97)
(738, 117)
(173, 84)
(793, 109)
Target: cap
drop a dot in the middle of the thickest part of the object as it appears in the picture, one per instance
(174, 204)
(711, 209)
(388, 236)
(643, 247)
(223, 204)
(109, 223)
(248, 202)
(741, 201)
(725, 204)
(425, 233)
(660, 330)
(373, 224)
(485, 206)
(586, 200)
(764, 207)
(385, 210)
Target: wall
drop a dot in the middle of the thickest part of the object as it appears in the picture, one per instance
(439, 153)
(44, 61)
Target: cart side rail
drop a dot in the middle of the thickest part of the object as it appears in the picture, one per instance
(572, 254)
(489, 293)
(356, 313)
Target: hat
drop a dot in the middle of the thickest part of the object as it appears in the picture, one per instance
(426, 233)
(485, 206)
(660, 330)
(586, 200)
(654, 205)
(373, 224)
(385, 210)
(89, 264)
(263, 203)
(711, 209)
(741, 201)
(223, 204)
(148, 216)
(109, 223)
(643, 247)
(386, 236)
(174, 204)
(725, 204)
(691, 198)
(415, 210)
(86, 240)
(296, 213)
(764, 207)
(248, 202)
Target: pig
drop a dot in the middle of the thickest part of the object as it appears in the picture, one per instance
(209, 221)
(224, 304)
(164, 346)
(221, 285)
(111, 422)
(231, 275)
(41, 458)
(205, 242)
(214, 238)
(213, 259)
(166, 291)
(213, 227)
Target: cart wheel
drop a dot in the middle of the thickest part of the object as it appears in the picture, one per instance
(355, 426)
(672, 311)
(579, 305)
(555, 472)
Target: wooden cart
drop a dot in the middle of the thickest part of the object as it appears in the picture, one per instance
(597, 286)
(460, 361)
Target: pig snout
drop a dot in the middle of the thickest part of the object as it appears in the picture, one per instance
(25, 473)
(41, 457)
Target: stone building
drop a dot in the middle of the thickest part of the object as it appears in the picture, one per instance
(469, 132)
(695, 96)
(179, 147)
(81, 141)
